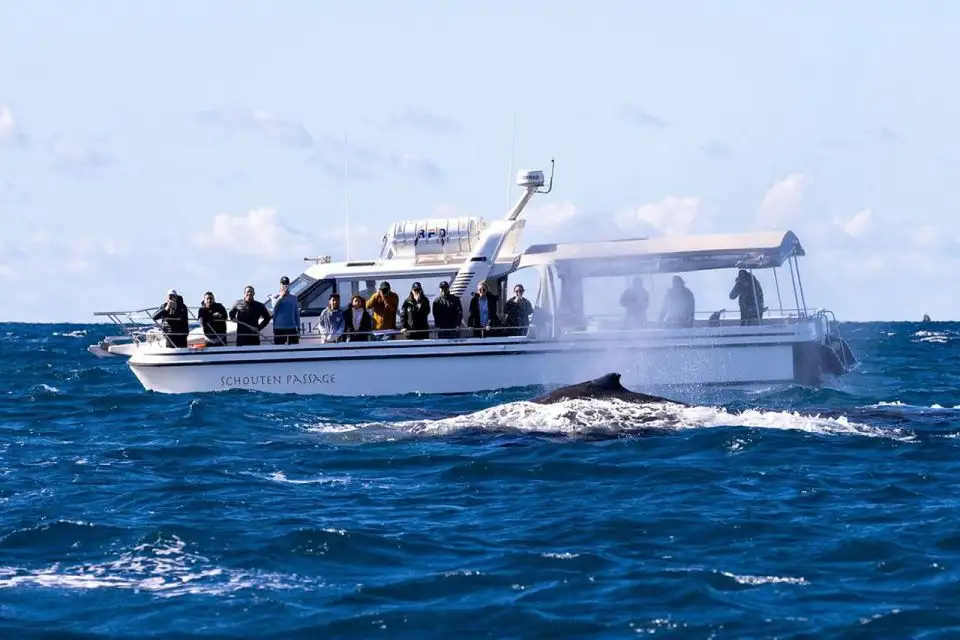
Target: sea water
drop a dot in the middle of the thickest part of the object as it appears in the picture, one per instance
(779, 513)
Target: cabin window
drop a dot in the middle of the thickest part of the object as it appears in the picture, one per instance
(314, 300)
(300, 284)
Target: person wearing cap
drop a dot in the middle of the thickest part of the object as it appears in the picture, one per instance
(286, 315)
(517, 311)
(747, 288)
(678, 305)
(251, 318)
(483, 316)
(213, 320)
(175, 324)
(383, 307)
(415, 313)
(447, 313)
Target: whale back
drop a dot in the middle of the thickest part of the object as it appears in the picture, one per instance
(605, 387)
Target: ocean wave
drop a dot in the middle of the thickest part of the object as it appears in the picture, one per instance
(615, 417)
(164, 567)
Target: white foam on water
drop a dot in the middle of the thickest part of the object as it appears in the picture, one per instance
(589, 416)
(939, 337)
(758, 580)
(165, 569)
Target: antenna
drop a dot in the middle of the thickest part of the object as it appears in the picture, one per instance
(513, 147)
(346, 195)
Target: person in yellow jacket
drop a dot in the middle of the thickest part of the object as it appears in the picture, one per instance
(383, 307)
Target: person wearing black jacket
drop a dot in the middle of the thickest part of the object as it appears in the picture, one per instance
(357, 323)
(414, 314)
(251, 318)
(483, 317)
(447, 313)
(213, 320)
(173, 314)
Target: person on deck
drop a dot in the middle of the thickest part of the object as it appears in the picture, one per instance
(747, 288)
(415, 314)
(678, 305)
(383, 307)
(483, 317)
(447, 313)
(251, 318)
(175, 324)
(357, 323)
(286, 315)
(517, 311)
(331, 323)
(635, 301)
(213, 320)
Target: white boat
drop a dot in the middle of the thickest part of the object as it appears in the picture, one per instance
(564, 345)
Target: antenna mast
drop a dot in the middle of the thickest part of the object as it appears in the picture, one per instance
(346, 196)
(513, 147)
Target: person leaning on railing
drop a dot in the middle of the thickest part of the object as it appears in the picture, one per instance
(331, 323)
(483, 316)
(251, 318)
(447, 313)
(357, 323)
(517, 311)
(175, 325)
(383, 307)
(415, 314)
(213, 320)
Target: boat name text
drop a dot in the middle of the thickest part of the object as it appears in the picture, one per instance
(290, 378)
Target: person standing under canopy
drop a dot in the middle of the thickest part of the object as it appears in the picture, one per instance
(679, 306)
(748, 292)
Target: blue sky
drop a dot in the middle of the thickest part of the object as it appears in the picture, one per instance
(200, 145)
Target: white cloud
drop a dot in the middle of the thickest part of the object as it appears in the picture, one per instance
(267, 123)
(259, 233)
(551, 215)
(671, 216)
(856, 225)
(78, 152)
(420, 119)
(8, 125)
(8, 273)
(367, 162)
(783, 201)
(925, 237)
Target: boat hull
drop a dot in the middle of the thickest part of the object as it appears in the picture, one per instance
(468, 366)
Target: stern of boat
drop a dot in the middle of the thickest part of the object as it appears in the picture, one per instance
(829, 354)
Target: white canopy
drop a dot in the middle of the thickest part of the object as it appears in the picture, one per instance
(668, 254)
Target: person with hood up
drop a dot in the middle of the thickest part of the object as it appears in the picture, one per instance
(415, 313)
(213, 320)
(175, 325)
(747, 289)
(286, 315)
(447, 313)
(678, 305)
(383, 307)
(517, 311)
(635, 302)
(483, 317)
(331, 324)
(251, 318)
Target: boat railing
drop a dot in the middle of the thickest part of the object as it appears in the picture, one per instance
(701, 319)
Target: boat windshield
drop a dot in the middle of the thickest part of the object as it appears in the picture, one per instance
(301, 284)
